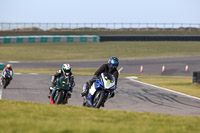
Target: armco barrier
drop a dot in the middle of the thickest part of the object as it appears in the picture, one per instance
(149, 38)
(38, 39)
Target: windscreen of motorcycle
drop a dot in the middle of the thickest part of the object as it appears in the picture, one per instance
(108, 80)
(63, 83)
(7, 74)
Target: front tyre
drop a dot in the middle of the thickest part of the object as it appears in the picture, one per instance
(58, 98)
(5, 82)
(98, 99)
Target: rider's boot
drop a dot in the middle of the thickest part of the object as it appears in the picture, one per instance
(68, 95)
(86, 90)
(50, 91)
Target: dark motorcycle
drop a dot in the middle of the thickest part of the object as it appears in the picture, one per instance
(60, 93)
(100, 91)
(6, 78)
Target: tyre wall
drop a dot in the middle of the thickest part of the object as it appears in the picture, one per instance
(149, 38)
(39, 39)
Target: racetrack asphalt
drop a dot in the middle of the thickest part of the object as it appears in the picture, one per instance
(130, 95)
(174, 66)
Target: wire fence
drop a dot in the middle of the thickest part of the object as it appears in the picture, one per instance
(99, 27)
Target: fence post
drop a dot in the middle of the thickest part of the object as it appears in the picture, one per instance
(147, 27)
(138, 29)
(2, 27)
(199, 28)
(9, 26)
(164, 27)
(91, 27)
(24, 26)
(155, 26)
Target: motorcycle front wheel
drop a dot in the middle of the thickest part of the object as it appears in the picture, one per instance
(98, 99)
(5, 82)
(58, 98)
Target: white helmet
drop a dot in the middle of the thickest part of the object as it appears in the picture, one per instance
(66, 68)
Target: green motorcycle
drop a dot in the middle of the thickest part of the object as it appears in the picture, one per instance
(60, 93)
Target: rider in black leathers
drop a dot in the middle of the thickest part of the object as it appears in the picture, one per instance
(65, 71)
(110, 67)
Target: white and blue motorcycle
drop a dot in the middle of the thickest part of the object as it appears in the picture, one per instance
(100, 91)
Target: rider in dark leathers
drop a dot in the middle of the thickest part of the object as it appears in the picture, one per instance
(110, 67)
(7, 68)
(65, 71)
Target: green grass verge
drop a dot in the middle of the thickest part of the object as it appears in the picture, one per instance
(95, 51)
(28, 117)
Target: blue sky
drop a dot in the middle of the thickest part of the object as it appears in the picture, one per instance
(102, 11)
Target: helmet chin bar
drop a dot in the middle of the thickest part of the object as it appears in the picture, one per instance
(67, 74)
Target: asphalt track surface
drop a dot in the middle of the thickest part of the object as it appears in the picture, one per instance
(174, 66)
(130, 95)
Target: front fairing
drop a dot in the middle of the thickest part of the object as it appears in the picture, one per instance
(105, 83)
(63, 84)
(7, 74)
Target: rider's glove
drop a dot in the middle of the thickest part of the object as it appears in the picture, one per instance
(54, 82)
(93, 80)
(53, 79)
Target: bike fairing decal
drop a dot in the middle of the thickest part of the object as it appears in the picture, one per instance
(89, 98)
(108, 81)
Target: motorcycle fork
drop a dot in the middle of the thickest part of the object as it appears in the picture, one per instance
(106, 96)
(65, 98)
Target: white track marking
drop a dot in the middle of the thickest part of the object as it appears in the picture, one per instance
(13, 61)
(120, 69)
(17, 73)
(163, 88)
(33, 73)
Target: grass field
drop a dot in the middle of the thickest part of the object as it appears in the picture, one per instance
(27, 117)
(95, 51)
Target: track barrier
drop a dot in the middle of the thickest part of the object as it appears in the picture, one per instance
(39, 39)
(149, 38)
